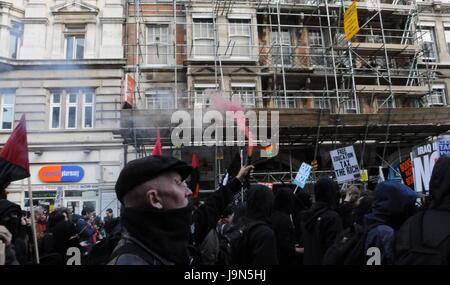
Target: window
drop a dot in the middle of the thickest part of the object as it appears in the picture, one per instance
(316, 48)
(350, 105)
(447, 35)
(244, 93)
(203, 37)
(240, 36)
(74, 42)
(72, 109)
(437, 97)
(88, 110)
(7, 111)
(281, 47)
(284, 103)
(201, 94)
(158, 44)
(427, 37)
(384, 102)
(160, 99)
(322, 102)
(55, 111)
(15, 39)
(71, 113)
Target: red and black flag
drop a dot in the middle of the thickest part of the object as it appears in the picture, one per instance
(157, 150)
(195, 177)
(14, 164)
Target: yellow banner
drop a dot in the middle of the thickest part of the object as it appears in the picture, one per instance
(351, 25)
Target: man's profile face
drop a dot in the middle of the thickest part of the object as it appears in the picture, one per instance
(174, 193)
(109, 214)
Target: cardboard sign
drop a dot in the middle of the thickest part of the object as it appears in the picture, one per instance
(302, 175)
(406, 170)
(345, 164)
(423, 158)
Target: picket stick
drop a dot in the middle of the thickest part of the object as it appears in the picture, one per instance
(33, 222)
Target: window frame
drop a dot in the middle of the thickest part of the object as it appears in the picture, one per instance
(157, 44)
(4, 105)
(76, 33)
(71, 105)
(195, 22)
(322, 102)
(429, 27)
(348, 106)
(15, 32)
(204, 101)
(447, 35)
(55, 105)
(281, 45)
(156, 95)
(236, 90)
(84, 106)
(239, 22)
(441, 96)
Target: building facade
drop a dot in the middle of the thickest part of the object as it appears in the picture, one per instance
(61, 64)
(383, 91)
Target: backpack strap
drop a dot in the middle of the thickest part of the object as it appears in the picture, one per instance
(135, 247)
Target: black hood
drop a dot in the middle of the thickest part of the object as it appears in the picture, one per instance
(167, 232)
(326, 191)
(260, 203)
(10, 216)
(284, 200)
(440, 184)
(393, 203)
(303, 200)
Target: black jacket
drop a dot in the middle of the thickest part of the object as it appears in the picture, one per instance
(436, 219)
(258, 245)
(283, 226)
(320, 224)
(155, 236)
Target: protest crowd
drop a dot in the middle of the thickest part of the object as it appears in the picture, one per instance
(241, 223)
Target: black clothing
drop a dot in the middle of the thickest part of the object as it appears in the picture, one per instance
(258, 246)
(283, 226)
(432, 225)
(320, 226)
(157, 236)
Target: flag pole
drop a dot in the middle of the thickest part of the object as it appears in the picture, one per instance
(33, 222)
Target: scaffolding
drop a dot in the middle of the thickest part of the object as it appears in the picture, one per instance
(279, 54)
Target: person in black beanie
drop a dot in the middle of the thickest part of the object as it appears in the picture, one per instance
(160, 226)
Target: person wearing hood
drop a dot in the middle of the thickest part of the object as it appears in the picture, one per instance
(158, 222)
(320, 224)
(283, 227)
(258, 244)
(393, 203)
(10, 217)
(425, 238)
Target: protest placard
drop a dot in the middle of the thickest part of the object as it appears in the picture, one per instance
(345, 164)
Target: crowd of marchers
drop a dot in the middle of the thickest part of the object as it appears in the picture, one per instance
(240, 223)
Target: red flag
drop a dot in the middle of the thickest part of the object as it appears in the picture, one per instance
(195, 177)
(14, 164)
(157, 150)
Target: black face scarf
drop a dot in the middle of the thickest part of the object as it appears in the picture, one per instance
(166, 232)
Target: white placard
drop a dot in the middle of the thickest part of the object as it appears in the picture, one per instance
(345, 164)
